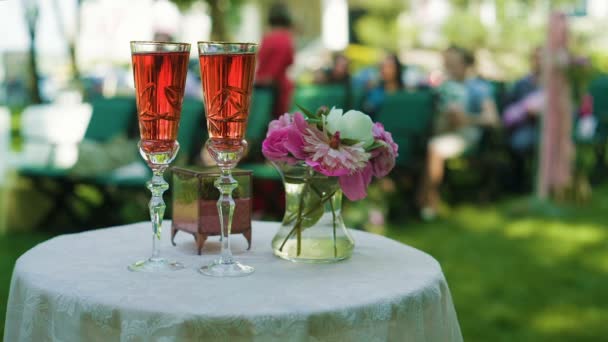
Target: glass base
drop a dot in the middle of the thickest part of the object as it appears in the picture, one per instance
(314, 251)
(233, 269)
(155, 265)
(310, 260)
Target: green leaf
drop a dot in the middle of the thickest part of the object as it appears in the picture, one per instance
(307, 113)
(314, 201)
(349, 142)
(315, 121)
(294, 180)
(323, 111)
(313, 209)
(375, 145)
(290, 217)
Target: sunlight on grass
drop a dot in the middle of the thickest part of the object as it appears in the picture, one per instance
(531, 277)
(11, 247)
(556, 239)
(473, 219)
(555, 231)
(597, 258)
(570, 320)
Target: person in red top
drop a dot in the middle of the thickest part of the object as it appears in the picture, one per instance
(275, 55)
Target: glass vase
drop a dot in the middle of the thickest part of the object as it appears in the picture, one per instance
(312, 229)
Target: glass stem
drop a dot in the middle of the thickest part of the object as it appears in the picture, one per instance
(157, 186)
(225, 207)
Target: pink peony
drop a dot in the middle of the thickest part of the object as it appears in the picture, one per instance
(329, 157)
(283, 121)
(284, 142)
(354, 186)
(291, 139)
(383, 158)
(295, 141)
(381, 134)
(274, 146)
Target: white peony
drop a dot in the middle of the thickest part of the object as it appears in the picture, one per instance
(353, 125)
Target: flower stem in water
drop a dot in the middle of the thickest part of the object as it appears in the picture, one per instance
(298, 225)
(297, 228)
(333, 214)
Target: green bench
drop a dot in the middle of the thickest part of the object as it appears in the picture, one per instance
(409, 117)
(191, 137)
(110, 118)
(598, 89)
(113, 117)
(312, 97)
(260, 115)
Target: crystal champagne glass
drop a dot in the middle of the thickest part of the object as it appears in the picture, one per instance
(159, 71)
(227, 71)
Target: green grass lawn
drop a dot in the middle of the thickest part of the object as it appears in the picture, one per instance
(519, 276)
(514, 275)
(11, 247)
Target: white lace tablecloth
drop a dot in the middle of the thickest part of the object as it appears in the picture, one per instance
(77, 288)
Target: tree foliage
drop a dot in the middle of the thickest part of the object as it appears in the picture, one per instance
(378, 27)
(224, 14)
(465, 29)
(374, 31)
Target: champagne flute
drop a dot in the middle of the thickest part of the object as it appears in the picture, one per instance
(159, 71)
(227, 71)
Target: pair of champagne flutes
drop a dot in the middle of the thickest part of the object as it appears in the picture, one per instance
(227, 72)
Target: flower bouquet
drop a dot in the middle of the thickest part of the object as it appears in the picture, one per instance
(321, 156)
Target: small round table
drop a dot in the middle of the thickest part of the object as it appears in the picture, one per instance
(77, 288)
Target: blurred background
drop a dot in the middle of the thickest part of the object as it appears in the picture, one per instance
(526, 257)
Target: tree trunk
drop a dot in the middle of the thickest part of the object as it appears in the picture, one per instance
(70, 38)
(74, 62)
(72, 43)
(556, 147)
(218, 23)
(33, 73)
(31, 18)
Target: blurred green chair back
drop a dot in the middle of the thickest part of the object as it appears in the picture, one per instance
(311, 97)
(499, 90)
(260, 114)
(192, 130)
(599, 90)
(357, 99)
(409, 118)
(111, 117)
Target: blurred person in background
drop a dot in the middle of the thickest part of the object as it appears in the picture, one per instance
(466, 105)
(163, 36)
(275, 55)
(193, 77)
(391, 81)
(337, 74)
(193, 80)
(524, 106)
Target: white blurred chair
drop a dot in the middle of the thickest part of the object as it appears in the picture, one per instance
(51, 133)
